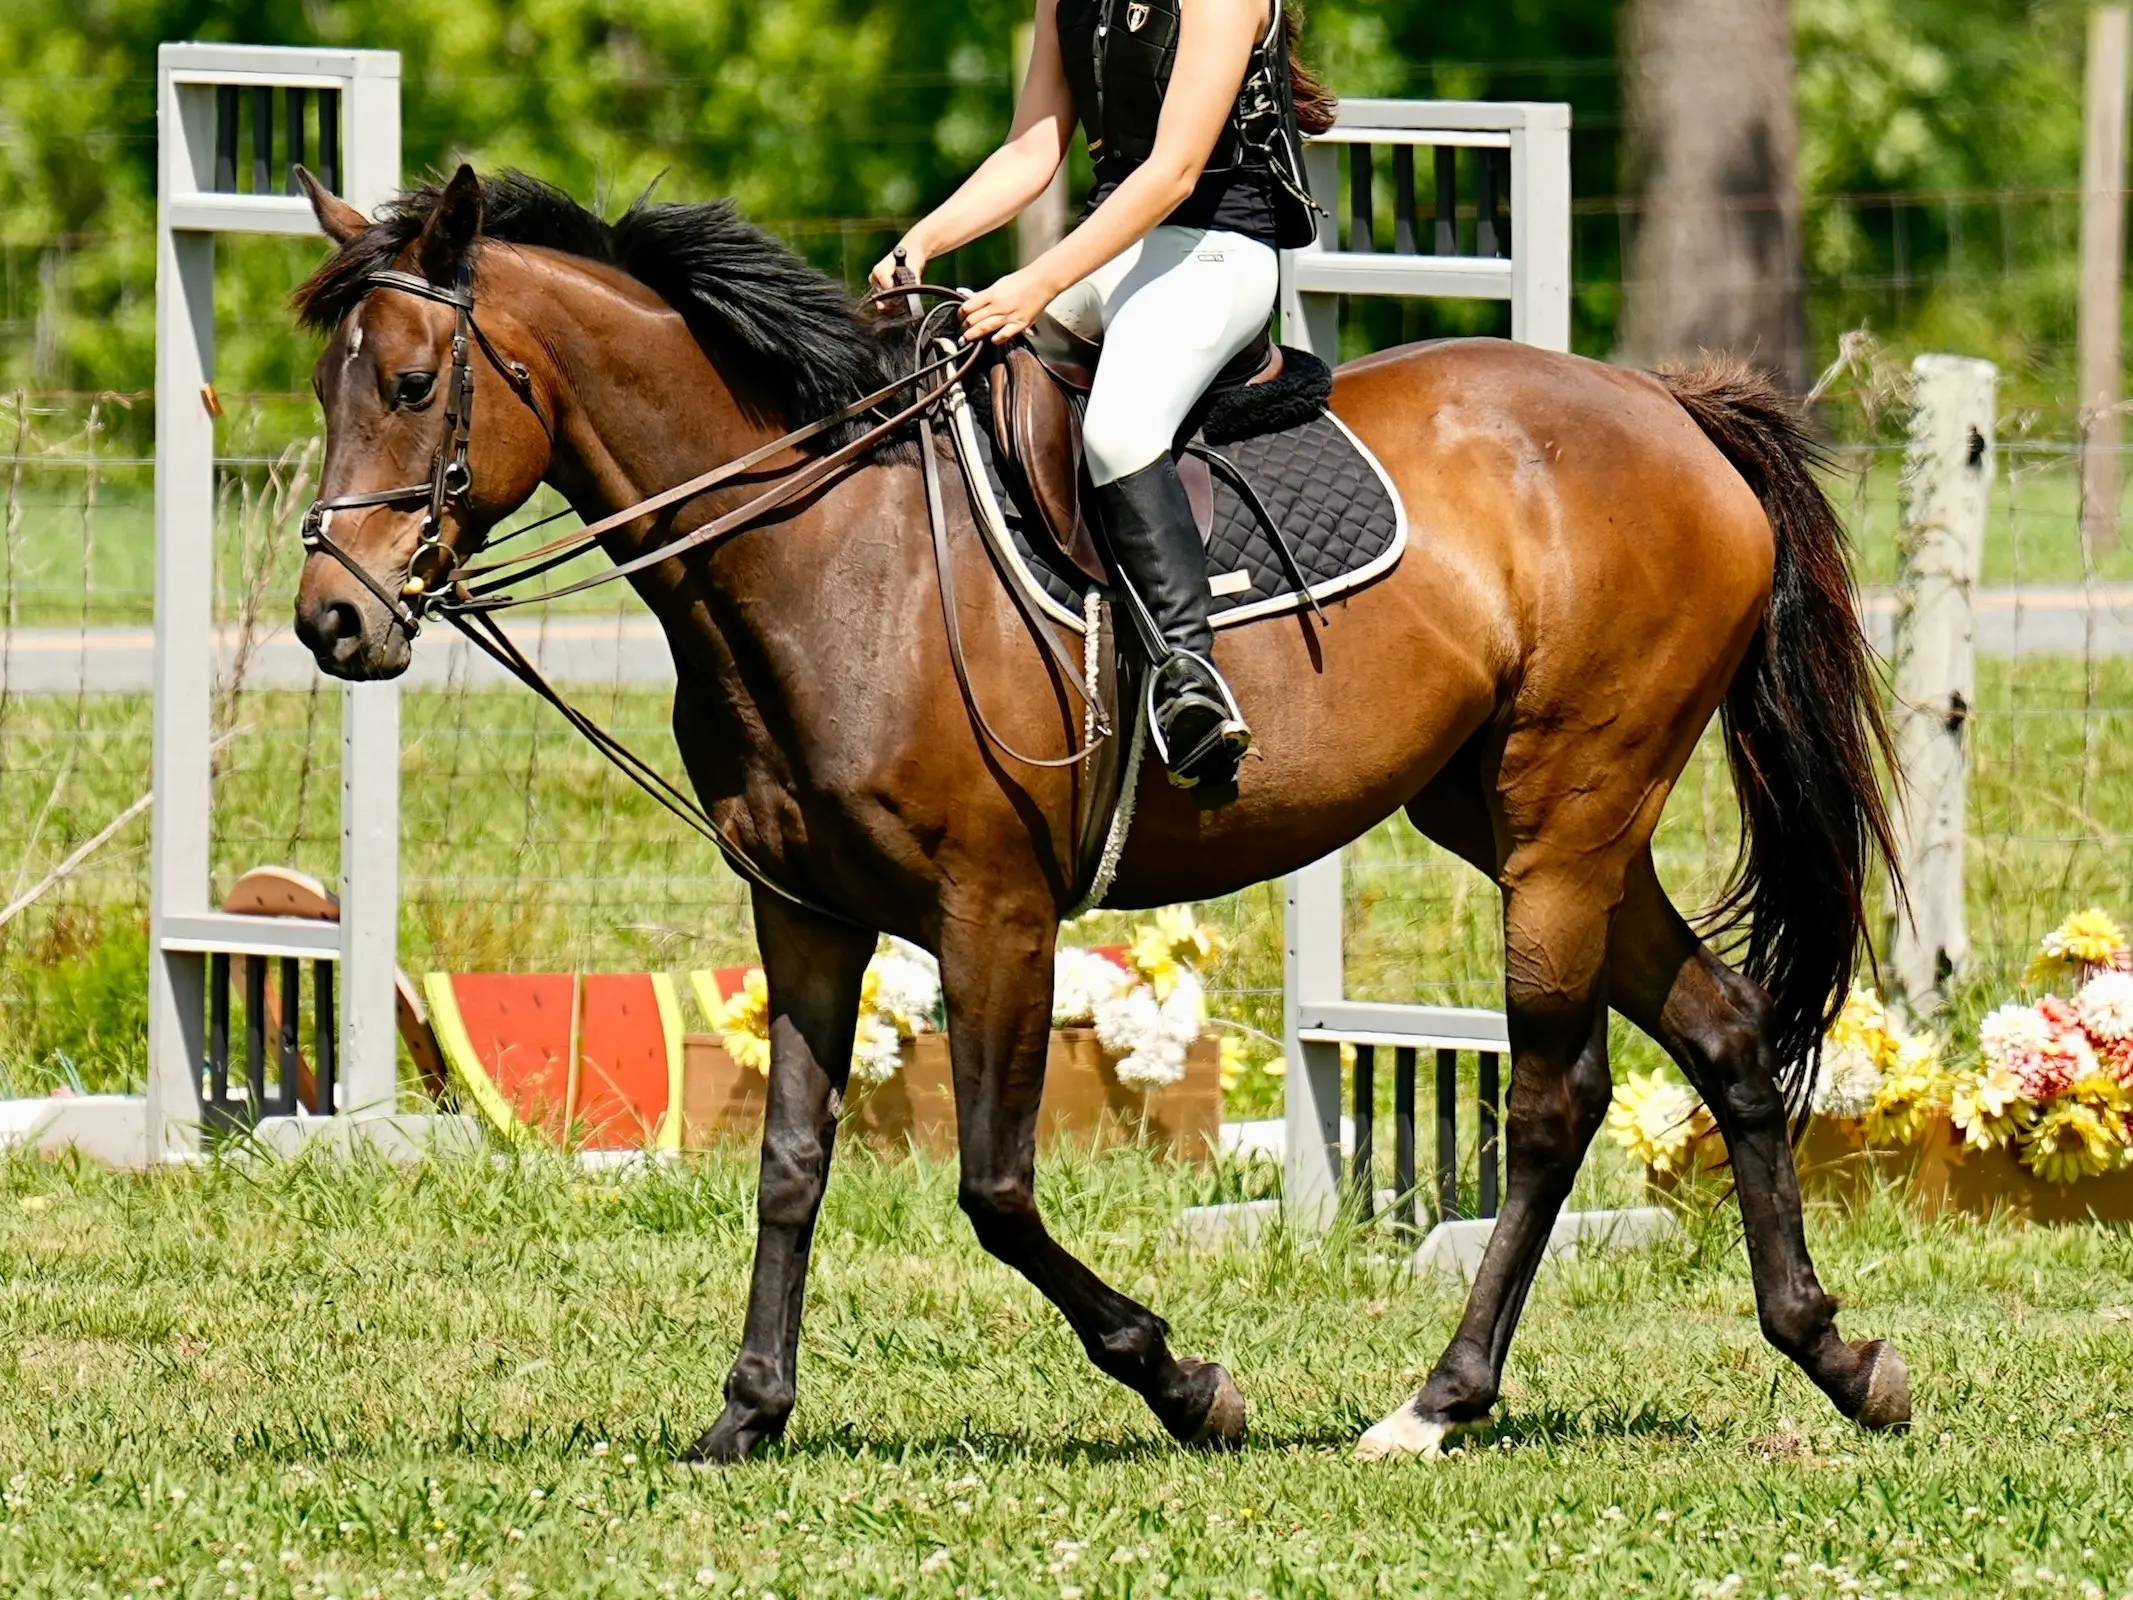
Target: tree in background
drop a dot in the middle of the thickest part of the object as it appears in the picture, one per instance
(1715, 262)
(833, 121)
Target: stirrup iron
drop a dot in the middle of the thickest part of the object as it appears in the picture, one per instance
(1231, 732)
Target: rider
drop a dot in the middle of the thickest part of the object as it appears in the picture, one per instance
(1193, 110)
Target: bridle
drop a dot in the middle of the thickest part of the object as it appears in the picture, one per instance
(451, 474)
(468, 592)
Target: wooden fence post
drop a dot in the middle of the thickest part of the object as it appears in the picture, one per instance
(2103, 256)
(1947, 479)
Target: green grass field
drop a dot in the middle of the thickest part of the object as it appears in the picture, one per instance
(472, 1380)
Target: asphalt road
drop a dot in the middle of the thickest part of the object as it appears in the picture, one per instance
(631, 652)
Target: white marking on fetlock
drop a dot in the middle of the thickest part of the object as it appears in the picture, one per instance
(1404, 1433)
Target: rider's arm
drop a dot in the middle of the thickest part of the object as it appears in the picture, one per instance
(1013, 175)
(1215, 40)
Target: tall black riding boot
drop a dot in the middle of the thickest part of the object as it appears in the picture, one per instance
(1147, 520)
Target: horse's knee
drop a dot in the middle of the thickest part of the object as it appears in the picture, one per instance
(1002, 1210)
(794, 1172)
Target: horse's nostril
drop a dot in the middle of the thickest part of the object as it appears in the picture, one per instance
(340, 628)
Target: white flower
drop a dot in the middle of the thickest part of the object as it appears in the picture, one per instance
(2012, 1032)
(1082, 981)
(1845, 1085)
(907, 987)
(1150, 1037)
(2105, 1004)
(877, 1049)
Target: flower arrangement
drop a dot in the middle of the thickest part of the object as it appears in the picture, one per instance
(899, 999)
(1148, 1003)
(2054, 1080)
(2051, 1082)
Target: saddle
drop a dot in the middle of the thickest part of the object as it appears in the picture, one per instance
(1036, 391)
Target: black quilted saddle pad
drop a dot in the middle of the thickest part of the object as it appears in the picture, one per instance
(1325, 490)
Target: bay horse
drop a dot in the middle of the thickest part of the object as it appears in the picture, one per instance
(1602, 560)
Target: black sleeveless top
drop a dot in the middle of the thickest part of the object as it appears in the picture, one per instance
(1119, 55)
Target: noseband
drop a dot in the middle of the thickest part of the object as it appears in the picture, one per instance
(451, 478)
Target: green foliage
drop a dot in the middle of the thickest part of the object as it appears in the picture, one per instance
(73, 1007)
(835, 120)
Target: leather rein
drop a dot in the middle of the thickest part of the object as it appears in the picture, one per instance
(469, 593)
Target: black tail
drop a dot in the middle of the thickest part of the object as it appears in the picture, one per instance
(1804, 733)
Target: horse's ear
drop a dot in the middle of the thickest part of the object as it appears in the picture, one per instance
(452, 227)
(339, 220)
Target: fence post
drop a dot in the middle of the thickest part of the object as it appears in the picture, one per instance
(1947, 479)
(2103, 255)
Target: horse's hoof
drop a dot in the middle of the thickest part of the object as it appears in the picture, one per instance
(1888, 1388)
(1223, 1426)
(1404, 1433)
(726, 1443)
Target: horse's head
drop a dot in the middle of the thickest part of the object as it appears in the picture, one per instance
(434, 430)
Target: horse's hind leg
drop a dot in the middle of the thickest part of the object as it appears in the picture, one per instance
(1713, 1022)
(815, 968)
(996, 973)
(1557, 905)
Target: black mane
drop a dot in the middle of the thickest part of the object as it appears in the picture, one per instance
(784, 335)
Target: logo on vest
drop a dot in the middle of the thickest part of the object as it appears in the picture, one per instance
(1136, 18)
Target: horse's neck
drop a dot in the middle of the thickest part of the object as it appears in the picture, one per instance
(648, 409)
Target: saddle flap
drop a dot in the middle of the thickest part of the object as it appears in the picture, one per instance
(1039, 440)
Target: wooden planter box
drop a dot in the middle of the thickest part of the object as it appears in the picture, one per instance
(1837, 1162)
(1084, 1103)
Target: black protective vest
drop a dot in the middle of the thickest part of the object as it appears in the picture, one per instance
(1119, 55)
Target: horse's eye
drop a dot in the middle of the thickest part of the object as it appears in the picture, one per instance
(413, 388)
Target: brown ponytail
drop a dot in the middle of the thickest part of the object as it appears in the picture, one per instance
(1316, 105)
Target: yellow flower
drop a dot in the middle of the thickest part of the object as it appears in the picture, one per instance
(1657, 1121)
(1898, 1114)
(1987, 1107)
(2084, 940)
(1234, 1066)
(2102, 1094)
(1172, 945)
(2072, 1141)
(744, 1021)
(1863, 1021)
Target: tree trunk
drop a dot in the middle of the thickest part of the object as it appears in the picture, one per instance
(1714, 262)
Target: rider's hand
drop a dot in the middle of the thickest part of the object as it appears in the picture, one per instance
(1007, 308)
(884, 274)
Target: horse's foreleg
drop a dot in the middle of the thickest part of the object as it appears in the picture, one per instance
(1556, 942)
(1713, 1022)
(814, 968)
(997, 977)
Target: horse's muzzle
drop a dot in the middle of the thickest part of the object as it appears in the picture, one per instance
(344, 627)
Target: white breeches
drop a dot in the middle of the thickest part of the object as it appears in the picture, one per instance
(1171, 312)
